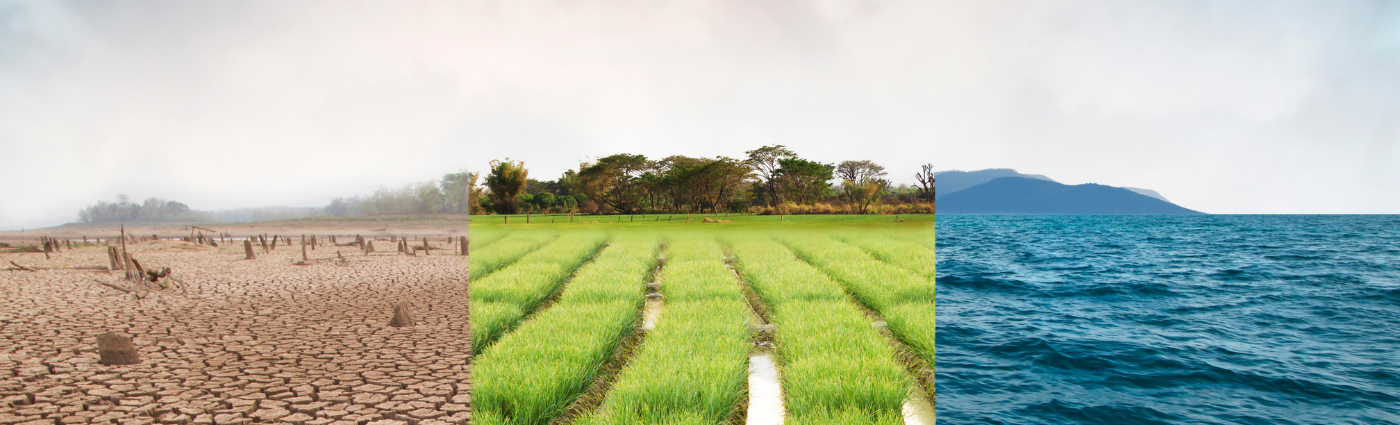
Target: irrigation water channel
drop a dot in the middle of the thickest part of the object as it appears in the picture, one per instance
(766, 405)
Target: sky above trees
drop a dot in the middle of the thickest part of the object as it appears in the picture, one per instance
(1225, 107)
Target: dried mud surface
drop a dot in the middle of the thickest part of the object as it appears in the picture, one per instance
(249, 341)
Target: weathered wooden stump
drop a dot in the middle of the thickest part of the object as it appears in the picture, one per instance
(116, 350)
(140, 271)
(369, 247)
(112, 256)
(248, 250)
(402, 316)
(462, 241)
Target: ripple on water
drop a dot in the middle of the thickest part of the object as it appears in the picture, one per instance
(1159, 319)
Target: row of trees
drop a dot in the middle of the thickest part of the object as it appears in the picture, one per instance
(161, 210)
(454, 193)
(152, 210)
(768, 177)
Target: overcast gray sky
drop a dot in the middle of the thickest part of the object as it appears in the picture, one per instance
(1223, 107)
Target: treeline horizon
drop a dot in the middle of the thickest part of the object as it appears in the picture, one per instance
(158, 210)
(768, 180)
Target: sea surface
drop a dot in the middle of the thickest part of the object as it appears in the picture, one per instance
(1168, 319)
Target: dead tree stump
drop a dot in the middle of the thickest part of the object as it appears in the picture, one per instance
(140, 271)
(462, 241)
(402, 316)
(425, 246)
(112, 258)
(369, 247)
(248, 250)
(274, 242)
(116, 350)
(129, 267)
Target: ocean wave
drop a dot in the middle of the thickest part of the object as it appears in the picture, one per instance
(1138, 319)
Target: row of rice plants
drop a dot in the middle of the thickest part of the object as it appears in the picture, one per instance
(483, 237)
(487, 260)
(836, 369)
(692, 367)
(903, 298)
(532, 374)
(896, 250)
(500, 301)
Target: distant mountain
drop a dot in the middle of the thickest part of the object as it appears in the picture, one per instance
(953, 181)
(1020, 195)
(1148, 192)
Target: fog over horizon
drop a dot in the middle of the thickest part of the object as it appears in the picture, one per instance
(1222, 107)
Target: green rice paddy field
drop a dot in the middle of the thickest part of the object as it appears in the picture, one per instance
(656, 319)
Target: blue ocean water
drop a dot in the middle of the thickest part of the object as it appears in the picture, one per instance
(1168, 319)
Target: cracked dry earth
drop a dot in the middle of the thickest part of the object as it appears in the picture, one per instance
(250, 341)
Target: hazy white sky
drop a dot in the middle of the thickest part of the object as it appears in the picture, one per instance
(1223, 107)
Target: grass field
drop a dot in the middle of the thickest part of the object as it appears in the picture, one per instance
(558, 312)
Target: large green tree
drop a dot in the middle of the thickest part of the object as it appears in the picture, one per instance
(613, 181)
(707, 184)
(766, 161)
(506, 182)
(862, 182)
(566, 185)
(803, 181)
